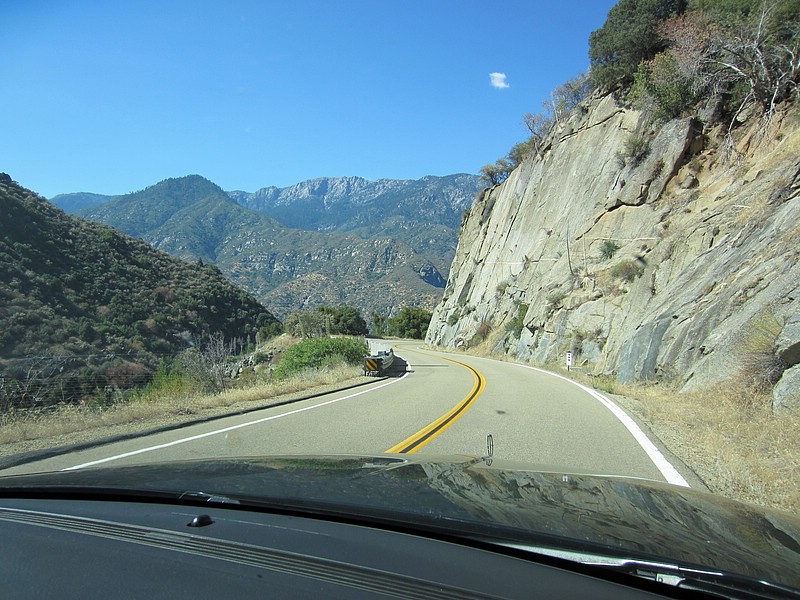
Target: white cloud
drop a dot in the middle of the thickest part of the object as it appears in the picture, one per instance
(498, 80)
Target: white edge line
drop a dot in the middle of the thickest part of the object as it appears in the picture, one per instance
(669, 472)
(667, 469)
(226, 429)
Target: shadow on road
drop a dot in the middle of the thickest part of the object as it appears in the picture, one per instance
(399, 368)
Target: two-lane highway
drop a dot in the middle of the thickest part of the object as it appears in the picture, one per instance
(443, 404)
(547, 420)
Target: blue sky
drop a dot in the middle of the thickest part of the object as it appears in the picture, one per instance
(113, 96)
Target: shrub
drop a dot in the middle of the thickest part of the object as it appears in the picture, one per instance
(170, 381)
(660, 85)
(454, 317)
(518, 322)
(761, 365)
(609, 248)
(635, 150)
(628, 270)
(484, 329)
(316, 353)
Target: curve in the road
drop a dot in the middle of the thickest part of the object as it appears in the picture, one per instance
(667, 469)
(416, 441)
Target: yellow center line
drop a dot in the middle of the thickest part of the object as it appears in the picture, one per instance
(429, 432)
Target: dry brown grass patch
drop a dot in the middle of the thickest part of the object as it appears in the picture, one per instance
(25, 430)
(729, 436)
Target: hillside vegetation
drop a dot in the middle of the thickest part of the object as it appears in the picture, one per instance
(286, 269)
(86, 308)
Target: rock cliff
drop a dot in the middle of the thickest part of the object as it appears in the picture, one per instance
(651, 253)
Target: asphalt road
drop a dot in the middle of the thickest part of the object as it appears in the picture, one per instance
(443, 404)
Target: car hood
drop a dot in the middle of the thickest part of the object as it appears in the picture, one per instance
(479, 498)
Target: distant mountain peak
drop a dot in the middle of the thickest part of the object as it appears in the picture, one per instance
(352, 231)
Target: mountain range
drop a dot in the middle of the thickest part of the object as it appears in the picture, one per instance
(376, 245)
(425, 213)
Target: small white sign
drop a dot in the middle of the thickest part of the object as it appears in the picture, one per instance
(569, 359)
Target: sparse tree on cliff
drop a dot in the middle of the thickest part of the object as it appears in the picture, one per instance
(565, 97)
(749, 50)
(629, 36)
(497, 172)
(519, 152)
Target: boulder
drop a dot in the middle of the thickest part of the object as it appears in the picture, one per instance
(788, 343)
(786, 393)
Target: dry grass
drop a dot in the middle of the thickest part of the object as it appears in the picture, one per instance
(25, 431)
(728, 435)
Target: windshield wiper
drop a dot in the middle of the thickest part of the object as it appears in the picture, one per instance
(726, 585)
(708, 581)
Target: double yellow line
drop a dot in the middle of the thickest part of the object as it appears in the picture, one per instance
(429, 432)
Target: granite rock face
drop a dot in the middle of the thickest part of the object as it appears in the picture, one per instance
(651, 254)
(786, 394)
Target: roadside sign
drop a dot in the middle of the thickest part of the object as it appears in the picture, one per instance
(569, 360)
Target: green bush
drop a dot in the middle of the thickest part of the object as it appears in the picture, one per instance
(454, 317)
(635, 150)
(170, 381)
(316, 353)
(609, 248)
(628, 270)
(629, 36)
(412, 322)
(518, 322)
(659, 84)
(267, 332)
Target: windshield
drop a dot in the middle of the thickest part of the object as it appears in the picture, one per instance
(531, 267)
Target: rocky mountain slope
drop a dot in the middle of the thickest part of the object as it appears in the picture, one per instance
(91, 300)
(424, 213)
(285, 268)
(651, 253)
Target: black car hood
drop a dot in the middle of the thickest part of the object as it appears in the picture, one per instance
(477, 498)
